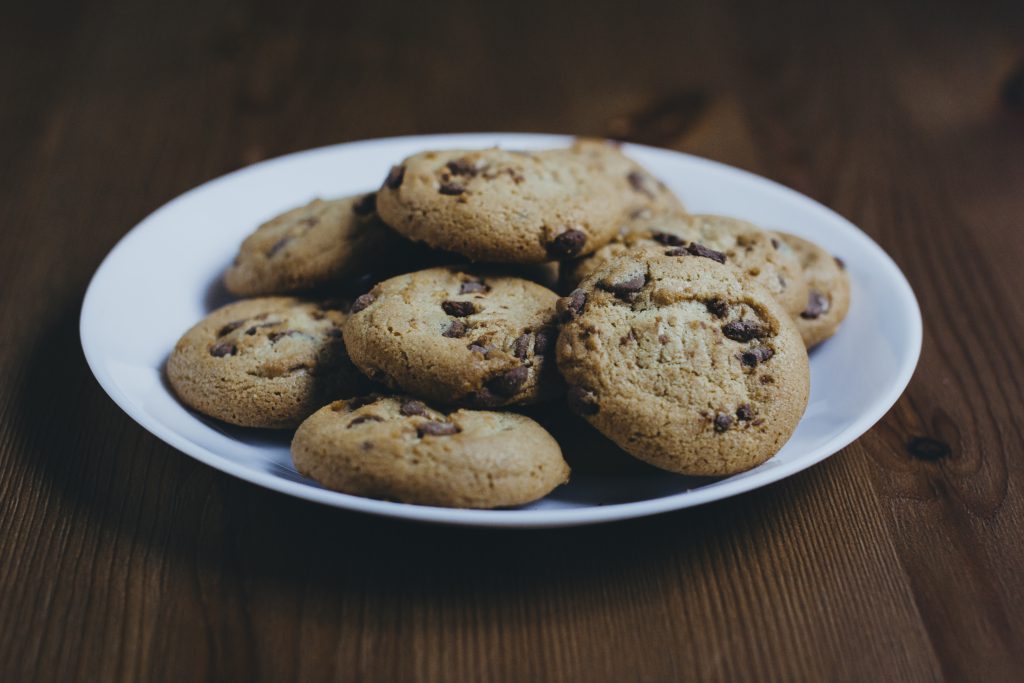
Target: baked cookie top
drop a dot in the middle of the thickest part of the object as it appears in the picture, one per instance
(828, 296)
(266, 362)
(322, 243)
(401, 449)
(758, 253)
(683, 362)
(458, 337)
(515, 207)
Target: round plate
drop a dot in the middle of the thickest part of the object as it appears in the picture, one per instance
(165, 275)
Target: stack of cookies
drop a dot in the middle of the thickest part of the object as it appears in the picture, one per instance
(681, 338)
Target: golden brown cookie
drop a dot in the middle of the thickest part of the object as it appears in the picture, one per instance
(828, 297)
(267, 362)
(682, 361)
(398, 448)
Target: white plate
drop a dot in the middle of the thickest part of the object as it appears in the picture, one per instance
(165, 274)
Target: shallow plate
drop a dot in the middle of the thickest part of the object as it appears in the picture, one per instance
(165, 274)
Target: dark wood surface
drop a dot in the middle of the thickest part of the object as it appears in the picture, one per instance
(898, 559)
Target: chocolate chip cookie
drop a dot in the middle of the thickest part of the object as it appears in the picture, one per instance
(758, 253)
(458, 337)
(398, 448)
(322, 243)
(267, 362)
(515, 207)
(683, 362)
(828, 297)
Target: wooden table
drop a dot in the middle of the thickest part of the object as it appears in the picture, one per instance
(898, 559)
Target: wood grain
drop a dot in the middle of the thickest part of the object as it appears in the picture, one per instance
(121, 559)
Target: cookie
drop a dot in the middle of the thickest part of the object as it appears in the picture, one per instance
(320, 244)
(398, 448)
(267, 362)
(683, 361)
(828, 297)
(512, 207)
(458, 337)
(760, 254)
(646, 195)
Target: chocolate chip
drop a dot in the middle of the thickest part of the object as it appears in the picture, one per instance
(461, 167)
(667, 238)
(640, 183)
(360, 401)
(413, 408)
(625, 289)
(677, 251)
(276, 336)
(572, 306)
(521, 346)
(395, 177)
(366, 205)
(230, 327)
(697, 249)
(451, 189)
(482, 350)
(436, 429)
(473, 287)
(455, 330)
(817, 304)
(279, 245)
(459, 309)
(223, 349)
(582, 401)
(507, 384)
(717, 307)
(542, 342)
(839, 262)
(758, 354)
(252, 330)
(568, 244)
(482, 398)
(364, 418)
(775, 243)
(745, 413)
(744, 330)
(722, 422)
(362, 301)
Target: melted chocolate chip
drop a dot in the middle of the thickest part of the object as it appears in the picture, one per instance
(677, 251)
(572, 306)
(625, 289)
(775, 243)
(413, 408)
(542, 342)
(640, 183)
(276, 336)
(362, 301)
(582, 401)
(473, 287)
(252, 330)
(697, 249)
(817, 304)
(279, 245)
(451, 189)
(366, 205)
(568, 244)
(395, 177)
(717, 307)
(223, 349)
(461, 167)
(436, 429)
(667, 238)
(459, 309)
(230, 327)
(364, 418)
(744, 330)
(482, 350)
(722, 422)
(521, 346)
(507, 384)
(758, 354)
(745, 413)
(455, 330)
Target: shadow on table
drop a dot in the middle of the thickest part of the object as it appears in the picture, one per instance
(113, 482)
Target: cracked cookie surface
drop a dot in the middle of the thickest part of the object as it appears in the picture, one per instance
(517, 207)
(322, 243)
(466, 337)
(760, 254)
(266, 362)
(399, 448)
(828, 296)
(683, 362)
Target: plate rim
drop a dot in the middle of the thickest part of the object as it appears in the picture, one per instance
(565, 517)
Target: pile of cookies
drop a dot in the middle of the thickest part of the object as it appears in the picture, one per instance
(403, 331)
